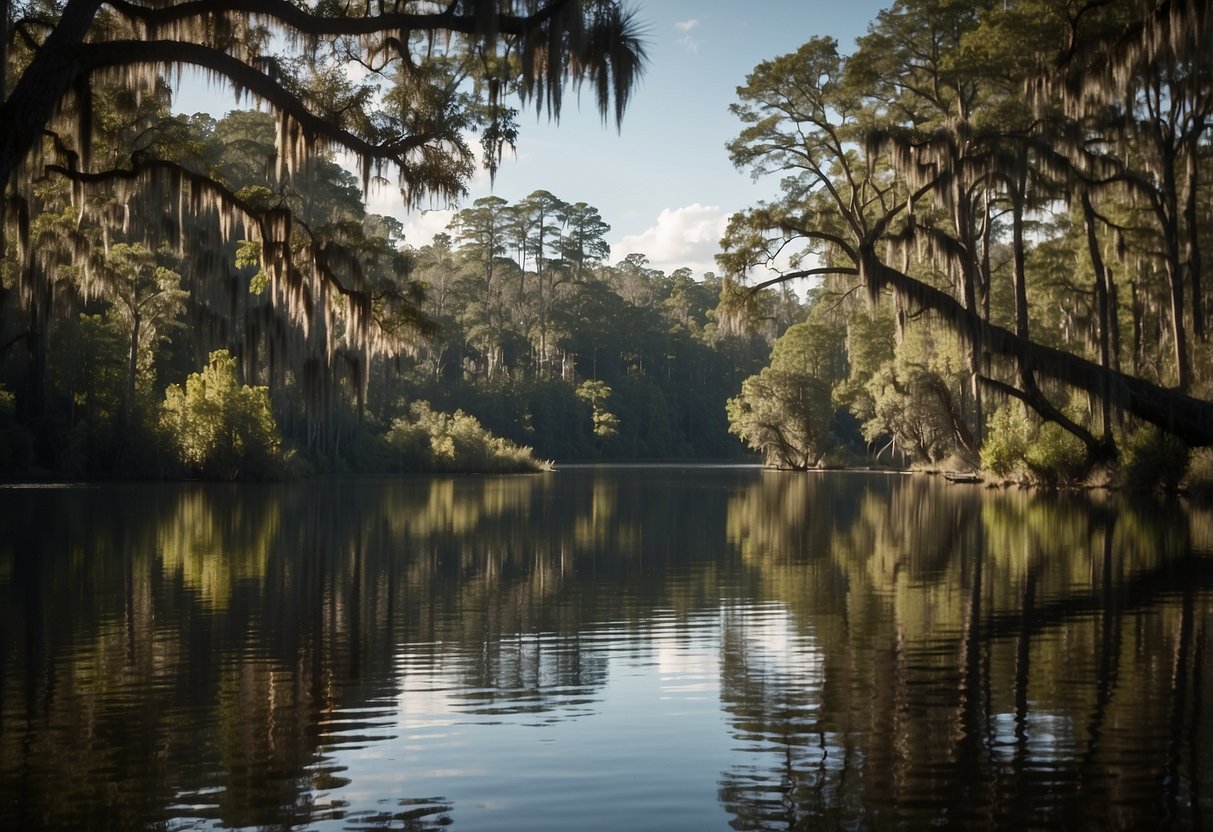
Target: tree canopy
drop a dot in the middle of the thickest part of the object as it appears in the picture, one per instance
(403, 86)
(1034, 175)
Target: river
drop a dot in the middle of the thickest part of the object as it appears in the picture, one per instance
(649, 648)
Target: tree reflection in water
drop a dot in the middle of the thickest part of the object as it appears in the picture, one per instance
(885, 650)
(989, 660)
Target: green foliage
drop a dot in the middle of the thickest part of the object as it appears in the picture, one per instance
(787, 412)
(429, 440)
(248, 256)
(222, 429)
(870, 346)
(606, 423)
(1056, 456)
(785, 416)
(913, 401)
(1150, 458)
(1006, 441)
(88, 374)
(147, 299)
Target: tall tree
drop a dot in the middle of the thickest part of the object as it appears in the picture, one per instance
(540, 216)
(583, 243)
(1141, 76)
(481, 230)
(147, 298)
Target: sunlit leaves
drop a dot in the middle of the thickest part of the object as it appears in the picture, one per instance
(220, 428)
(597, 393)
(429, 440)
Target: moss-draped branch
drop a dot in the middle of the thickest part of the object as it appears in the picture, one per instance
(1189, 418)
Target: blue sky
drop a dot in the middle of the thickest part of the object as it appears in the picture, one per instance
(664, 182)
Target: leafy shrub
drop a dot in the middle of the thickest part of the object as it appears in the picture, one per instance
(1006, 441)
(1150, 458)
(1056, 456)
(432, 441)
(222, 429)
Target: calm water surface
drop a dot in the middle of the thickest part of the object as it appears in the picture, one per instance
(622, 649)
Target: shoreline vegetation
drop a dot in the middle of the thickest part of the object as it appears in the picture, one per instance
(1196, 485)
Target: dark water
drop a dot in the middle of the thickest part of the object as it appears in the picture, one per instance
(631, 649)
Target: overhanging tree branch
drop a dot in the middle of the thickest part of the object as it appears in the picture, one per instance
(1188, 418)
(247, 78)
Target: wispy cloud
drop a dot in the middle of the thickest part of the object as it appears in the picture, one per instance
(687, 236)
(687, 42)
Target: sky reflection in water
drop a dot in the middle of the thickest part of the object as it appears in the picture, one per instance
(631, 649)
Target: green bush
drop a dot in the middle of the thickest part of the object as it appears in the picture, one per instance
(1056, 456)
(1150, 458)
(454, 442)
(222, 429)
(1006, 442)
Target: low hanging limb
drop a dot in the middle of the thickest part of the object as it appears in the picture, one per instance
(1097, 449)
(1184, 416)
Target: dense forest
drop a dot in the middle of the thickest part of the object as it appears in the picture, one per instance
(999, 210)
(209, 296)
(512, 325)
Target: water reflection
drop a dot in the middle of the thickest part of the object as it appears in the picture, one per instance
(1008, 659)
(643, 648)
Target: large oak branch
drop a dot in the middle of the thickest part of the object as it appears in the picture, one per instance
(1188, 418)
(244, 77)
(50, 75)
(302, 21)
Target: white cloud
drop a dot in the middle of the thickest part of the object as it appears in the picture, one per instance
(687, 42)
(421, 226)
(687, 236)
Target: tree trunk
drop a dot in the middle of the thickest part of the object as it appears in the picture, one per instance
(132, 369)
(1018, 198)
(1174, 271)
(968, 276)
(1104, 310)
(1192, 245)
